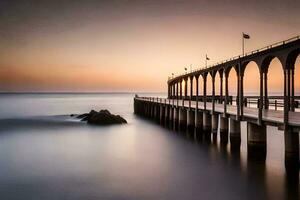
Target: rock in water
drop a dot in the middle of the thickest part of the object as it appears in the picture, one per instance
(103, 117)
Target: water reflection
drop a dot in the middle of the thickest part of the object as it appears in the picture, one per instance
(141, 160)
(260, 179)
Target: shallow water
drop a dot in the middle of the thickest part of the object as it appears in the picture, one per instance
(45, 154)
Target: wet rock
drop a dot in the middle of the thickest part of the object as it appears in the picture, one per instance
(103, 117)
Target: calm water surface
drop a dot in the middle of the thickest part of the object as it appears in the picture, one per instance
(46, 155)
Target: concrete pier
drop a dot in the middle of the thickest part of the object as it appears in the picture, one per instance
(152, 110)
(214, 123)
(157, 117)
(182, 119)
(161, 114)
(167, 112)
(206, 122)
(199, 121)
(175, 117)
(171, 116)
(156, 112)
(235, 134)
(207, 126)
(287, 118)
(256, 141)
(190, 120)
(291, 144)
(223, 130)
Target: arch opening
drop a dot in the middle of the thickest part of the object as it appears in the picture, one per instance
(208, 85)
(251, 84)
(297, 82)
(275, 84)
(232, 85)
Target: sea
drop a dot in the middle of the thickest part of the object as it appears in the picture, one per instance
(45, 154)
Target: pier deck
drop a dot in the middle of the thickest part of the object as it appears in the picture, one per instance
(274, 117)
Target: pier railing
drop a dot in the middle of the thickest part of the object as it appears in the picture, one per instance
(273, 102)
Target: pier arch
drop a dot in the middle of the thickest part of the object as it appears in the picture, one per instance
(188, 86)
(251, 78)
(200, 85)
(217, 83)
(231, 74)
(297, 76)
(209, 84)
(194, 86)
(275, 78)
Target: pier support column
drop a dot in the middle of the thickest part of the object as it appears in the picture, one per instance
(150, 110)
(256, 141)
(157, 112)
(167, 112)
(191, 120)
(291, 141)
(223, 130)
(171, 116)
(145, 109)
(199, 121)
(207, 125)
(182, 118)
(214, 123)
(235, 134)
(161, 114)
(147, 114)
(175, 117)
(153, 111)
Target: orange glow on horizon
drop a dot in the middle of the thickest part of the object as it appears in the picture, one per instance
(135, 47)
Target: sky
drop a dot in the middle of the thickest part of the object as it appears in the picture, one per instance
(133, 45)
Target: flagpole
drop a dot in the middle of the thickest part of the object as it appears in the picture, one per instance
(205, 60)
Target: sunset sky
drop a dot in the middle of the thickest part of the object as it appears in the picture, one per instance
(133, 45)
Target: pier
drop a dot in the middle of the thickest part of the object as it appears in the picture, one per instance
(222, 113)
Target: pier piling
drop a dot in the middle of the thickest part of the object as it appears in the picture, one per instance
(223, 130)
(256, 141)
(235, 134)
(190, 120)
(182, 119)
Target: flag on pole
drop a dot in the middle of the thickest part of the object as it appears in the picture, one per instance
(185, 68)
(207, 58)
(246, 36)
